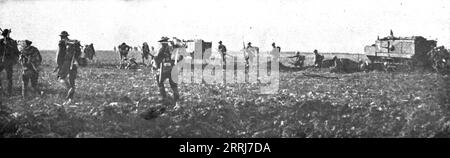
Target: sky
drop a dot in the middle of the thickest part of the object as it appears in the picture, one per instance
(294, 25)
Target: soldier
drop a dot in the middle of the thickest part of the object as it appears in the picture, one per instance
(223, 52)
(30, 59)
(67, 57)
(145, 52)
(318, 59)
(249, 45)
(123, 50)
(276, 47)
(275, 53)
(93, 49)
(8, 57)
(165, 63)
(132, 64)
(299, 59)
(115, 49)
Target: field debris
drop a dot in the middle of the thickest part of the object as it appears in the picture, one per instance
(319, 76)
(311, 103)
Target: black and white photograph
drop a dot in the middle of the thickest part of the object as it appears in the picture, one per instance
(225, 69)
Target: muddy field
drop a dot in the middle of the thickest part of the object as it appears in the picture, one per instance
(109, 101)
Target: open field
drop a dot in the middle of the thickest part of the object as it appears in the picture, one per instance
(108, 102)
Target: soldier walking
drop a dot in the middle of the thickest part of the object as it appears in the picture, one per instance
(9, 54)
(164, 62)
(67, 56)
(30, 59)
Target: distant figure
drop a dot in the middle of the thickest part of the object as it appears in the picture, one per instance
(438, 59)
(123, 50)
(145, 52)
(318, 59)
(89, 51)
(276, 47)
(275, 52)
(223, 51)
(299, 60)
(129, 64)
(250, 53)
(30, 59)
(115, 49)
(9, 53)
(132, 64)
(249, 45)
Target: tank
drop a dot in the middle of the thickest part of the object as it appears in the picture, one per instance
(395, 51)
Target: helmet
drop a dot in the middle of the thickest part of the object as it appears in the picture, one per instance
(64, 33)
(28, 42)
(164, 39)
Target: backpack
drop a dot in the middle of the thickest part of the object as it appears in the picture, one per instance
(9, 51)
(68, 51)
(30, 58)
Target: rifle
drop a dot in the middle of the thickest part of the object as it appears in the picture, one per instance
(160, 71)
(4, 48)
(72, 62)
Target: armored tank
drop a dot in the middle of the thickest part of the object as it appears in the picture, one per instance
(394, 52)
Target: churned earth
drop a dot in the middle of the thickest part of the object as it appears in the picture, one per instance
(109, 102)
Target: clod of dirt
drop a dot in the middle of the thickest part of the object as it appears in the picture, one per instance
(153, 113)
(125, 99)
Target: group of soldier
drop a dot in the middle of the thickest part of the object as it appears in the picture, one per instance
(126, 63)
(29, 57)
(68, 60)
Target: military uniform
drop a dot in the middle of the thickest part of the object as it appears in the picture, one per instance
(145, 52)
(165, 63)
(223, 51)
(299, 59)
(8, 56)
(318, 59)
(123, 50)
(68, 53)
(30, 60)
(129, 64)
(89, 51)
